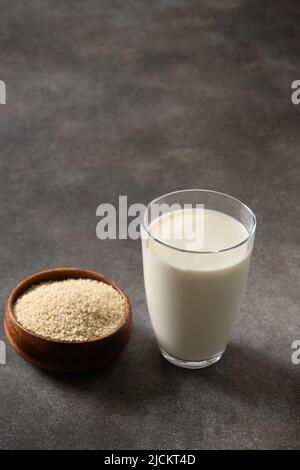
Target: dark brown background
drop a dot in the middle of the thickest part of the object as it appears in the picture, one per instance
(140, 98)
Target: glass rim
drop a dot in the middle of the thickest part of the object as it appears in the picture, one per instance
(247, 208)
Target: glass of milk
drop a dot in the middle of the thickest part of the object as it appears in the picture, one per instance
(197, 247)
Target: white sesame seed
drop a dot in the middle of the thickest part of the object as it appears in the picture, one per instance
(71, 310)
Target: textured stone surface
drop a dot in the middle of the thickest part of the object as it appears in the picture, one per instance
(140, 98)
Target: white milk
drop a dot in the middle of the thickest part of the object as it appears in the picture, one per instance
(194, 298)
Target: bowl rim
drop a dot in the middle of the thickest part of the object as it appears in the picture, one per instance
(68, 273)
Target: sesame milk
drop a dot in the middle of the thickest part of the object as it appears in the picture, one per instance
(194, 297)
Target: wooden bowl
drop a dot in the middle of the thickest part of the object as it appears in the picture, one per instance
(65, 356)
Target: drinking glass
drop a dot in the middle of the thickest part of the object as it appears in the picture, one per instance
(194, 295)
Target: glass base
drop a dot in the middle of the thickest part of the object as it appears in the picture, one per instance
(192, 364)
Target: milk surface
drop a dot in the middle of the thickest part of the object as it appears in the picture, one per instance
(194, 297)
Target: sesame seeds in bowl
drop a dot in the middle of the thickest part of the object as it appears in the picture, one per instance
(71, 309)
(68, 320)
